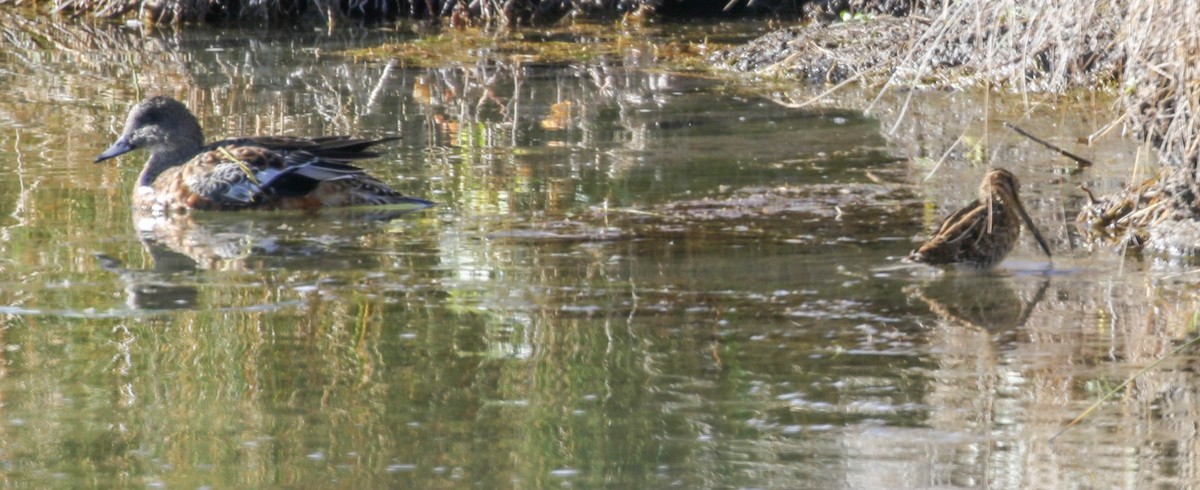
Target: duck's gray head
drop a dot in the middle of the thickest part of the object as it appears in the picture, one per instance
(164, 127)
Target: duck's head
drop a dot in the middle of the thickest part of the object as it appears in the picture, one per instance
(162, 125)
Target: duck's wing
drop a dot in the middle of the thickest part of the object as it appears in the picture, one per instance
(335, 149)
(302, 172)
(269, 172)
(236, 177)
(230, 177)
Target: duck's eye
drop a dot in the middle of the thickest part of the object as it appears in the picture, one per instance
(150, 119)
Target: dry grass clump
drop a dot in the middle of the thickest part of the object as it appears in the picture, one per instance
(1160, 83)
(1032, 44)
(838, 52)
(157, 12)
(1160, 89)
(328, 12)
(1125, 217)
(491, 13)
(1041, 45)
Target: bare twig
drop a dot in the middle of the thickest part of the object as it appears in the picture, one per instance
(822, 95)
(944, 156)
(1107, 127)
(1083, 162)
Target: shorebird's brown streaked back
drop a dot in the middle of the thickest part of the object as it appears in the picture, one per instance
(981, 234)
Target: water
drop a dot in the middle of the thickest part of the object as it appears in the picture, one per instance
(634, 278)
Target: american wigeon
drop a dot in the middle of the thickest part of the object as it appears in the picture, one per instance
(261, 172)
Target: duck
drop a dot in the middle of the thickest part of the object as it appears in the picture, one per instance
(980, 235)
(183, 173)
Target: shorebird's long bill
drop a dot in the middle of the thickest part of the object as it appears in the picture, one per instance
(121, 147)
(1029, 224)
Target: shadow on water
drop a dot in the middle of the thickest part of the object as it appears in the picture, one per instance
(636, 278)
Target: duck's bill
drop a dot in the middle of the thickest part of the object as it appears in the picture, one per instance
(121, 147)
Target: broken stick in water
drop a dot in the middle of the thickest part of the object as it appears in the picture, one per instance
(1083, 162)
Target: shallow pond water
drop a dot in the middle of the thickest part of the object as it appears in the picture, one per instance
(633, 278)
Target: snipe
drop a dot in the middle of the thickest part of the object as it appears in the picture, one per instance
(981, 234)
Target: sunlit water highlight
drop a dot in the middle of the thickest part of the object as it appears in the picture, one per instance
(632, 279)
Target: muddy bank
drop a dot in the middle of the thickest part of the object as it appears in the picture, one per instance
(968, 43)
(816, 53)
(1140, 50)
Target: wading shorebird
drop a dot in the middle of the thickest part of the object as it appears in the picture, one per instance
(981, 234)
(259, 172)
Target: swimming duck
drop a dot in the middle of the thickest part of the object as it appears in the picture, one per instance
(981, 234)
(260, 172)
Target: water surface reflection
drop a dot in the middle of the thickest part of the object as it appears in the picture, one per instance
(634, 279)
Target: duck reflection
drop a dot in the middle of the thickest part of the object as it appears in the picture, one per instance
(987, 302)
(181, 246)
(163, 287)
